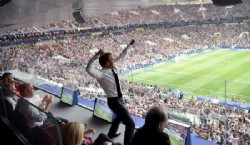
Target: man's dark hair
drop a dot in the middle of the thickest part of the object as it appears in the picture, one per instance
(104, 58)
(6, 74)
(154, 117)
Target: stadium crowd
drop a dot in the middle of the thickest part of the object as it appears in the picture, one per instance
(40, 59)
(154, 14)
(153, 46)
(150, 15)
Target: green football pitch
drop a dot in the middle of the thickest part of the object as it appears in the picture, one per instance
(213, 73)
(175, 141)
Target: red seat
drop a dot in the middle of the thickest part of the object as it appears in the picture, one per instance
(42, 137)
(22, 123)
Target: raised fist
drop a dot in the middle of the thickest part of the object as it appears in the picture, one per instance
(132, 42)
(100, 52)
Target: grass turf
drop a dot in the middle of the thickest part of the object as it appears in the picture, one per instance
(175, 141)
(206, 74)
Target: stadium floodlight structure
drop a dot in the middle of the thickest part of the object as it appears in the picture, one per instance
(78, 12)
(178, 11)
(79, 16)
(227, 8)
(202, 9)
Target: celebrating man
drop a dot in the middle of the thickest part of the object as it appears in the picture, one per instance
(108, 79)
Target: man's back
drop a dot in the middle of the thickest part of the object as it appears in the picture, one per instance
(150, 136)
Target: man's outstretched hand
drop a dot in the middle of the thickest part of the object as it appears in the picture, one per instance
(100, 52)
(132, 42)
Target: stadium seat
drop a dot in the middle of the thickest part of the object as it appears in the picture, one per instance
(42, 137)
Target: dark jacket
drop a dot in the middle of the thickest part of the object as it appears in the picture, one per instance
(150, 136)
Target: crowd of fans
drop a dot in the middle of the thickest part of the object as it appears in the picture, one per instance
(154, 14)
(39, 59)
(153, 46)
(64, 61)
(150, 15)
(170, 13)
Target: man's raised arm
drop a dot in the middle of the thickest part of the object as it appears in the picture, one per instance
(124, 53)
(91, 70)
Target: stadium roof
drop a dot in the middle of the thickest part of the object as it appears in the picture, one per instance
(25, 13)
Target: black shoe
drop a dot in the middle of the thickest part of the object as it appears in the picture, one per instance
(114, 135)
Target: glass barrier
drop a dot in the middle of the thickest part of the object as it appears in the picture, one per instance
(31, 117)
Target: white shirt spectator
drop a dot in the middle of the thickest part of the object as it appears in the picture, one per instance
(104, 76)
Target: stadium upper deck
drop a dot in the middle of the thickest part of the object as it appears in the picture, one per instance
(21, 13)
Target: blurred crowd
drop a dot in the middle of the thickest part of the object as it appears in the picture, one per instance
(154, 14)
(42, 60)
(149, 15)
